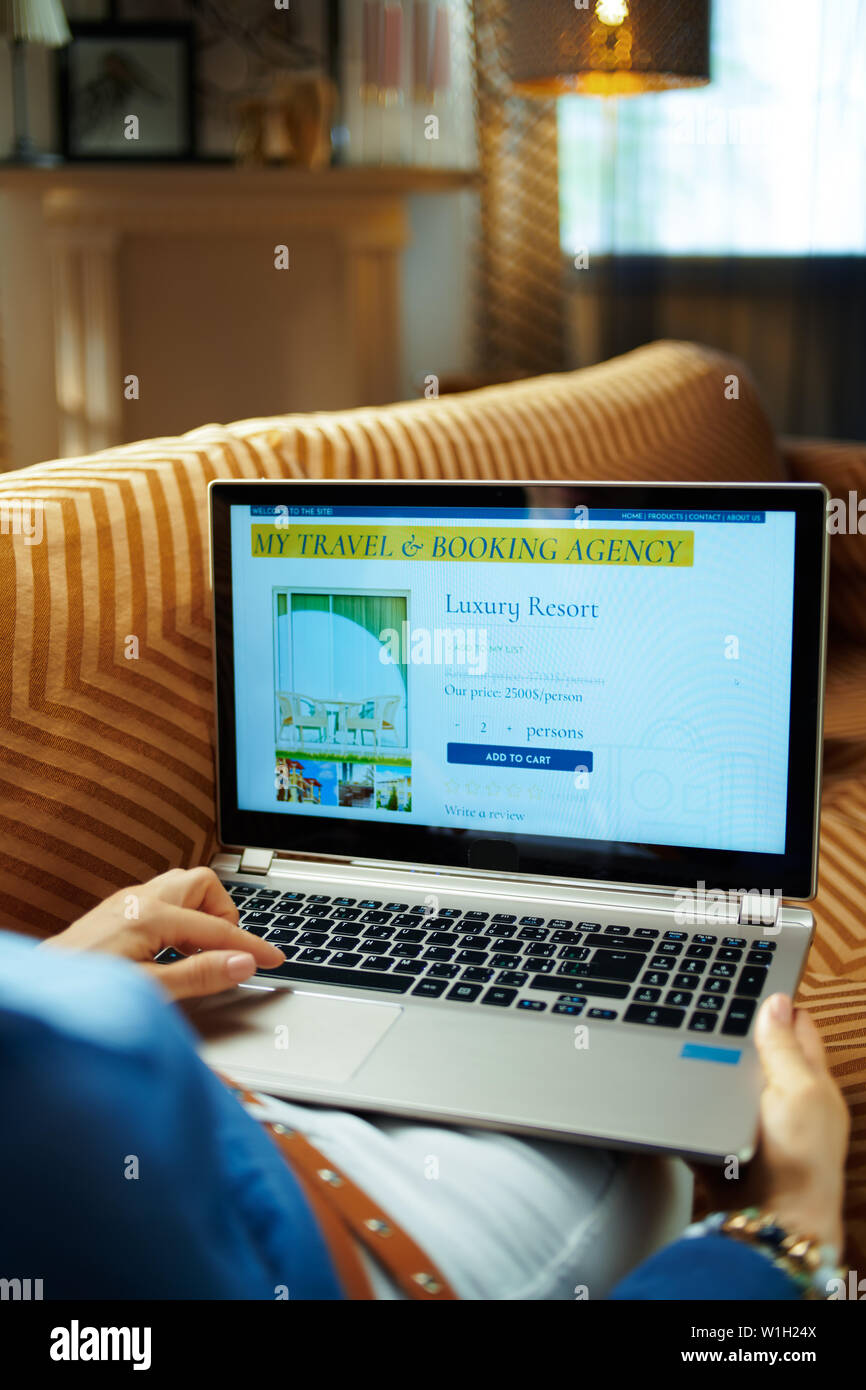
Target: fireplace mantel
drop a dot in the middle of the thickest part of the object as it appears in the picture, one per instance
(143, 257)
(217, 178)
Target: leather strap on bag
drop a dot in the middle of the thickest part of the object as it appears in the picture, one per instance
(346, 1214)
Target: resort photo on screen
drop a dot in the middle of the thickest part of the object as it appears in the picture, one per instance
(340, 701)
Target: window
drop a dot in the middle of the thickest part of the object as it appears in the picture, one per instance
(769, 159)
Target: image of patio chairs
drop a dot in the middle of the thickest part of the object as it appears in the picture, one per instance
(300, 713)
(376, 716)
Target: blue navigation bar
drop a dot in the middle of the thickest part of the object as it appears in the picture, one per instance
(536, 759)
(649, 515)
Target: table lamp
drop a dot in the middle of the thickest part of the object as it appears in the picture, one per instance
(24, 22)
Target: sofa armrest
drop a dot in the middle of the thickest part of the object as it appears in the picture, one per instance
(841, 466)
(827, 461)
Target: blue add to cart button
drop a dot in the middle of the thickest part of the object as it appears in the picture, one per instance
(536, 759)
(729, 1056)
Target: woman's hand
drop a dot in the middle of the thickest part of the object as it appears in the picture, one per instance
(185, 908)
(798, 1171)
(800, 1166)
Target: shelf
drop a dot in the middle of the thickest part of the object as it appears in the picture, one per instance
(206, 178)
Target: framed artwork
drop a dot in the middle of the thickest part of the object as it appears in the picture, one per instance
(245, 50)
(126, 92)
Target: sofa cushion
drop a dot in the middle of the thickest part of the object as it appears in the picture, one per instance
(105, 677)
(845, 696)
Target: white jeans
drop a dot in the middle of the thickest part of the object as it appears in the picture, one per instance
(503, 1217)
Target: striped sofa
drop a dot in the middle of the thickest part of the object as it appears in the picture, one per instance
(107, 771)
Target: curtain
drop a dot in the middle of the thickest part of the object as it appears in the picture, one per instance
(305, 603)
(520, 306)
(376, 613)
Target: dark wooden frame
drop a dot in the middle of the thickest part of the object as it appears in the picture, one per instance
(181, 33)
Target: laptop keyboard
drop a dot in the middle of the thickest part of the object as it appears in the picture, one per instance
(695, 981)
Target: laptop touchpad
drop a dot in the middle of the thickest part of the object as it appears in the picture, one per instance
(284, 1033)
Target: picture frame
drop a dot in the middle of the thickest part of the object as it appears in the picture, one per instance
(112, 72)
(241, 48)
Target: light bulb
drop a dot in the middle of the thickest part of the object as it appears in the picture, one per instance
(611, 12)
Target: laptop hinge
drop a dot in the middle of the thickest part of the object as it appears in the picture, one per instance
(256, 861)
(759, 910)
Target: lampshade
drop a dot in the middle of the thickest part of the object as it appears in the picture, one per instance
(34, 21)
(608, 47)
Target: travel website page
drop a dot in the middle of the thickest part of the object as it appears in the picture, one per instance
(595, 674)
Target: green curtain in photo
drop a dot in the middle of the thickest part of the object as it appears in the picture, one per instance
(376, 613)
(305, 603)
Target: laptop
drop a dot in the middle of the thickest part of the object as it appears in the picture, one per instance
(524, 780)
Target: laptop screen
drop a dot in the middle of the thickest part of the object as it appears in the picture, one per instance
(507, 676)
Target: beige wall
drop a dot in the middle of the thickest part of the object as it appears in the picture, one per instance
(25, 304)
(41, 103)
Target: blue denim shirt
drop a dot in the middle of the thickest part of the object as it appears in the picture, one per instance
(707, 1268)
(128, 1170)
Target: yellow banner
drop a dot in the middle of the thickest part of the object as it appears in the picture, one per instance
(548, 546)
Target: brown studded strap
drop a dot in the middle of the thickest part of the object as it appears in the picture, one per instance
(346, 1214)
